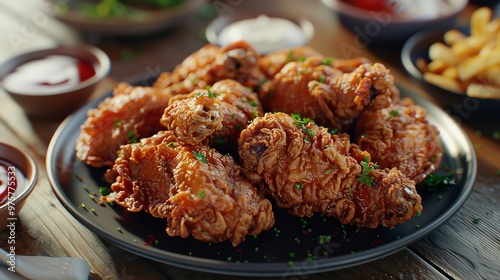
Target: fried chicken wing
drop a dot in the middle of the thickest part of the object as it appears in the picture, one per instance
(217, 114)
(130, 114)
(272, 63)
(200, 192)
(400, 136)
(326, 94)
(307, 170)
(238, 61)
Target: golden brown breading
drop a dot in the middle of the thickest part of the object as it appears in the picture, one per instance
(219, 120)
(238, 61)
(316, 90)
(199, 191)
(307, 170)
(400, 136)
(130, 114)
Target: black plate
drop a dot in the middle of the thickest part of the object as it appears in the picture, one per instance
(293, 246)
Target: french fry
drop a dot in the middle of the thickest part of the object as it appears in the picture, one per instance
(475, 65)
(440, 51)
(450, 72)
(483, 91)
(479, 20)
(443, 82)
(452, 36)
(490, 76)
(436, 66)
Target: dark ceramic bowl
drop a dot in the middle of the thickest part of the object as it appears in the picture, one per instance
(23, 168)
(383, 27)
(458, 104)
(58, 103)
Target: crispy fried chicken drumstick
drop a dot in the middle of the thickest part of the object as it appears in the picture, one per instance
(199, 191)
(314, 88)
(400, 136)
(130, 114)
(306, 170)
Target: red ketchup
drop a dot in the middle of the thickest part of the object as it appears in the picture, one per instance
(51, 74)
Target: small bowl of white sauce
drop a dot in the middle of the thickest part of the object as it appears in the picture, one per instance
(265, 32)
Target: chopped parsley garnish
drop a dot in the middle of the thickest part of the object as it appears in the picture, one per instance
(333, 130)
(201, 194)
(298, 186)
(253, 103)
(302, 58)
(105, 190)
(309, 131)
(394, 113)
(434, 180)
(118, 123)
(132, 137)
(200, 156)
(322, 79)
(210, 93)
(172, 144)
(324, 239)
(476, 220)
(327, 61)
(364, 177)
(299, 121)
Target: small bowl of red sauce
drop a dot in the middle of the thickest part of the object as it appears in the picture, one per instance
(52, 83)
(18, 177)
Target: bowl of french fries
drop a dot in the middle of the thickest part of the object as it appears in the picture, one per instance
(460, 63)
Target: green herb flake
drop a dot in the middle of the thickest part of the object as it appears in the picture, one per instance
(298, 186)
(132, 137)
(364, 177)
(172, 144)
(299, 121)
(200, 156)
(327, 61)
(394, 113)
(333, 130)
(290, 263)
(210, 93)
(476, 220)
(201, 194)
(118, 123)
(328, 171)
(321, 79)
(253, 103)
(302, 58)
(104, 190)
(324, 239)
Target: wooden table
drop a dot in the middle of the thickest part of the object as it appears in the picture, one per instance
(465, 247)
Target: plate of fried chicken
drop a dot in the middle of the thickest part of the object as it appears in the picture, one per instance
(259, 165)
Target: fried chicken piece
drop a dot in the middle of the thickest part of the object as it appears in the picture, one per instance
(307, 170)
(199, 191)
(216, 115)
(194, 118)
(238, 61)
(130, 114)
(326, 94)
(272, 63)
(400, 136)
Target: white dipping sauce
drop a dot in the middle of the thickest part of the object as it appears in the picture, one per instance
(265, 34)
